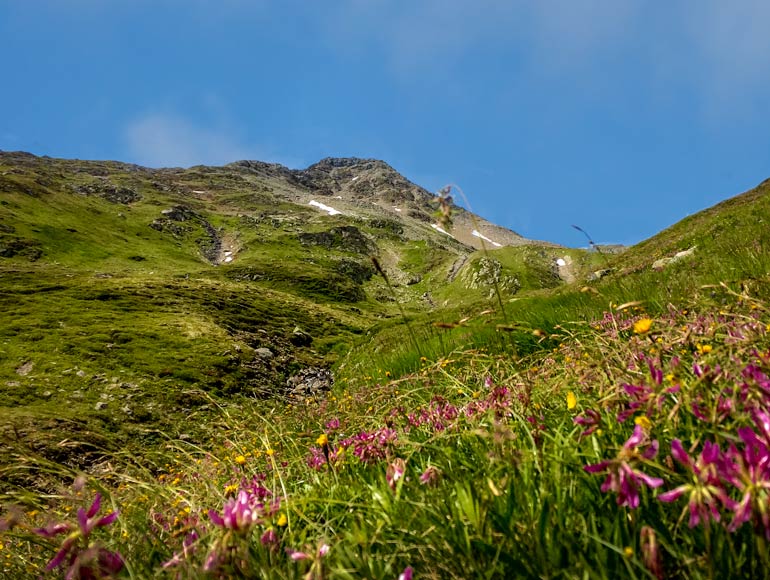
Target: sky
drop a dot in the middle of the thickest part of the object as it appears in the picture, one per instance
(619, 116)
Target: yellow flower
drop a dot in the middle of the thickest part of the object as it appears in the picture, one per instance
(628, 551)
(322, 440)
(571, 400)
(269, 452)
(642, 325)
(231, 489)
(704, 348)
(644, 422)
(282, 520)
(240, 460)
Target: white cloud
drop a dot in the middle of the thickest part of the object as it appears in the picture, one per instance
(159, 140)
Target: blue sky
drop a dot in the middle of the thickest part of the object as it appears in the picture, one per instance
(621, 116)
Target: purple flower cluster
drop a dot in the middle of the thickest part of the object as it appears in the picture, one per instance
(623, 476)
(242, 513)
(372, 446)
(84, 559)
(742, 470)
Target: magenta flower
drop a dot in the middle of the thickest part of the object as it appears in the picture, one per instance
(622, 477)
(650, 553)
(406, 574)
(705, 491)
(241, 514)
(333, 425)
(83, 559)
(749, 471)
(430, 476)
(590, 420)
(395, 472)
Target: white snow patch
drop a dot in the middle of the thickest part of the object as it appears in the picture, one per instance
(326, 208)
(478, 234)
(398, 209)
(438, 228)
(339, 197)
(228, 253)
(560, 262)
(356, 177)
(198, 191)
(228, 259)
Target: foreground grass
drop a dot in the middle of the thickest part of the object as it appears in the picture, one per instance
(474, 466)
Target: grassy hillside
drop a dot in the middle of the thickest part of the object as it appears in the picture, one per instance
(485, 408)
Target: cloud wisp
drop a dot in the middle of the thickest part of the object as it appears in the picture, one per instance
(168, 141)
(158, 140)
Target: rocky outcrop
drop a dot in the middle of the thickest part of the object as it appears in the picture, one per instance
(486, 273)
(109, 191)
(679, 256)
(344, 238)
(181, 221)
(309, 382)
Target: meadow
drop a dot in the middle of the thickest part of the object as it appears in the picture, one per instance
(637, 446)
(615, 427)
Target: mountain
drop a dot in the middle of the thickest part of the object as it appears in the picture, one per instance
(136, 302)
(131, 296)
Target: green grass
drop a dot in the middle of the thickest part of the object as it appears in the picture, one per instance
(126, 356)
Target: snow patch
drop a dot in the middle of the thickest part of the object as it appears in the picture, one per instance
(478, 234)
(356, 177)
(398, 209)
(198, 191)
(438, 228)
(323, 207)
(228, 259)
(560, 262)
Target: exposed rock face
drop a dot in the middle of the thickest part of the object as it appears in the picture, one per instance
(345, 238)
(488, 273)
(310, 382)
(110, 192)
(663, 262)
(300, 338)
(11, 246)
(356, 271)
(209, 241)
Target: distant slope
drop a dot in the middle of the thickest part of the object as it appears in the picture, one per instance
(131, 298)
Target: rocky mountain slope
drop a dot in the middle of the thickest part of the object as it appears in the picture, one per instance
(131, 297)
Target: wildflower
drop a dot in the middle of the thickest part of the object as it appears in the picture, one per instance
(644, 422)
(430, 476)
(269, 538)
(628, 552)
(242, 513)
(642, 325)
(571, 400)
(706, 489)
(749, 471)
(333, 424)
(650, 552)
(622, 477)
(322, 440)
(590, 419)
(395, 472)
(406, 574)
(282, 521)
(84, 559)
(240, 460)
